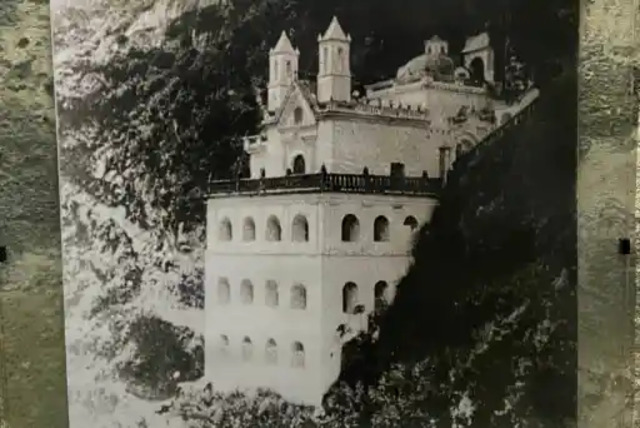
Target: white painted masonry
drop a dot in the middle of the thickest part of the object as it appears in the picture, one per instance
(286, 268)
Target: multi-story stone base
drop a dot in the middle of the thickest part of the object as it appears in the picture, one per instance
(285, 271)
(306, 248)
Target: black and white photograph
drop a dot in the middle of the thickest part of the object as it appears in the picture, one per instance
(306, 213)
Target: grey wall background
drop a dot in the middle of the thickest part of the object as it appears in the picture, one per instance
(32, 376)
(606, 190)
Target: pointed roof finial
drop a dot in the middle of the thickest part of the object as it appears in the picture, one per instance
(335, 32)
(284, 44)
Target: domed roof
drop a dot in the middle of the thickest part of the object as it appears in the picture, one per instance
(413, 69)
(440, 65)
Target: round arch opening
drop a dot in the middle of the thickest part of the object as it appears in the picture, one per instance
(299, 165)
(476, 68)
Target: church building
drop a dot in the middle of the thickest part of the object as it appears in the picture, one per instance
(319, 234)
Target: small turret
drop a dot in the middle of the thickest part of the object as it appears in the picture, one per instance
(283, 70)
(436, 46)
(334, 74)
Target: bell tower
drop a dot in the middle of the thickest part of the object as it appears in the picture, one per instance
(283, 71)
(334, 74)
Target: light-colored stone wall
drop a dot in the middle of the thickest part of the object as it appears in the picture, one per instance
(324, 214)
(366, 208)
(346, 142)
(334, 87)
(365, 272)
(441, 99)
(323, 265)
(260, 323)
(376, 144)
(446, 99)
(408, 94)
(285, 208)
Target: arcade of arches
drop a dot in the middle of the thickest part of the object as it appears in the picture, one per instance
(350, 229)
(271, 355)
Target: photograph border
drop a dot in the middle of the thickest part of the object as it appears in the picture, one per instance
(608, 30)
(606, 194)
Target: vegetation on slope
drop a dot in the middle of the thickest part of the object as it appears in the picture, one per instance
(502, 241)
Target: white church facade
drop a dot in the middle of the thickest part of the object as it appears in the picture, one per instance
(322, 230)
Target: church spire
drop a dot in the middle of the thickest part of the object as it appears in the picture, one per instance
(283, 70)
(334, 74)
(335, 32)
(284, 45)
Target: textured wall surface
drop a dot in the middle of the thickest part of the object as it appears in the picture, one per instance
(606, 199)
(33, 387)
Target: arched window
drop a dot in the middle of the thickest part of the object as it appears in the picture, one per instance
(298, 297)
(325, 59)
(247, 349)
(249, 230)
(271, 352)
(274, 231)
(246, 292)
(341, 64)
(223, 344)
(381, 229)
(224, 292)
(350, 228)
(289, 70)
(380, 295)
(275, 69)
(297, 115)
(349, 298)
(271, 296)
(225, 232)
(298, 355)
(299, 166)
(477, 70)
(411, 222)
(300, 229)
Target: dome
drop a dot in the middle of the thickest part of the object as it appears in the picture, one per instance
(440, 66)
(413, 69)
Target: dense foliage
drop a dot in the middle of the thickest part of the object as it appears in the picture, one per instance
(487, 313)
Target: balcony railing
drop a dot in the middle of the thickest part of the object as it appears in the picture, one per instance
(330, 183)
